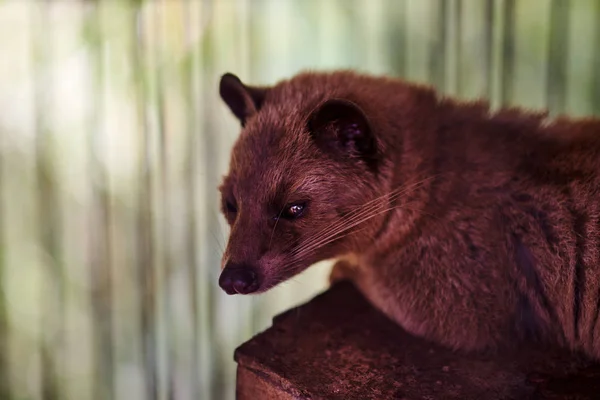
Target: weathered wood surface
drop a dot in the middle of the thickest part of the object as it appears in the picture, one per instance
(338, 347)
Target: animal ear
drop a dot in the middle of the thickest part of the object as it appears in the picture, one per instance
(340, 127)
(244, 101)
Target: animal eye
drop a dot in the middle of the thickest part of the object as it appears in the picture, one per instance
(231, 208)
(293, 211)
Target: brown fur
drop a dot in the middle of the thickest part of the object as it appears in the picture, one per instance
(495, 236)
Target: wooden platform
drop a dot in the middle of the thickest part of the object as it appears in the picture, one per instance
(338, 347)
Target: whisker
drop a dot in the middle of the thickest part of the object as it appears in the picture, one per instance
(217, 241)
(304, 252)
(354, 215)
(277, 221)
(350, 225)
(220, 227)
(302, 258)
(331, 237)
(318, 236)
(368, 207)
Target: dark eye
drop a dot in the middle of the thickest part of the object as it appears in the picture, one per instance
(230, 207)
(293, 211)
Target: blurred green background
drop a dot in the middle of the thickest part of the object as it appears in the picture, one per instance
(113, 140)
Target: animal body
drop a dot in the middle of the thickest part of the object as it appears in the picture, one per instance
(471, 228)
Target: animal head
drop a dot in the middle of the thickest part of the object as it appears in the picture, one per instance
(302, 172)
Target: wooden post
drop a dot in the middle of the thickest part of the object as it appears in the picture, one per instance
(338, 347)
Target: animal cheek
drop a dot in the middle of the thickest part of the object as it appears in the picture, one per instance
(283, 237)
(271, 269)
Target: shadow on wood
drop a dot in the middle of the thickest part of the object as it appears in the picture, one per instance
(338, 347)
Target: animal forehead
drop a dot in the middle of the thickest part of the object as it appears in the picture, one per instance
(265, 133)
(275, 183)
(267, 144)
(259, 176)
(272, 151)
(258, 154)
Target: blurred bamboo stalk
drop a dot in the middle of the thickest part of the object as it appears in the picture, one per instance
(165, 261)
(100, 245)
(5, 389)
(52, 306)
(488, 40)
(397, 36)
(456, 74)
(595, 86)
(508, 53)
(190, 93)
(145, 227)
(556, 78)
(438, 51)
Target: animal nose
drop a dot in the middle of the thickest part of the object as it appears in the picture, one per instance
(238, 279)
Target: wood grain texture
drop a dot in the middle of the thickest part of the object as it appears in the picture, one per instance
(338, 347)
